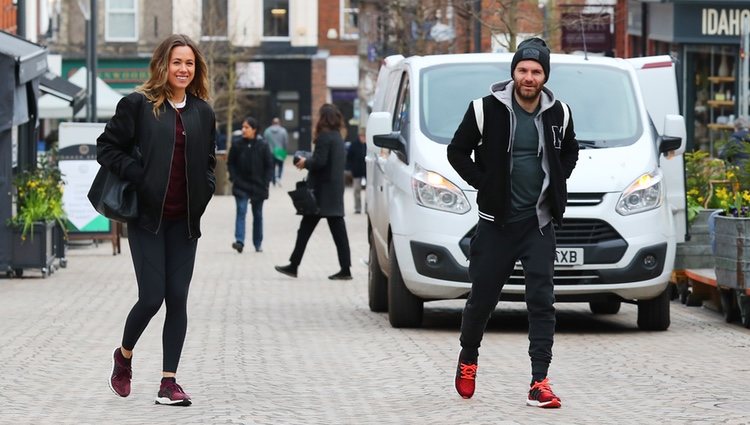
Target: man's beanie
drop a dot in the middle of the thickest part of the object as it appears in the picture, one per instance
(532, 49)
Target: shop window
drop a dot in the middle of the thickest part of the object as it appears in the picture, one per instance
(714, 96)
(349, 19)
(276, 19)
(214, 19)
(120, 20)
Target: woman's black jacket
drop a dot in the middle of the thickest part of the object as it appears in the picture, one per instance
(250, 165)
(134, 124)
(326, 173)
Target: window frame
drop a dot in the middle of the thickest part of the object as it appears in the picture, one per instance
(343, 10)
(108, 11)
(214, 37)
(265, 37)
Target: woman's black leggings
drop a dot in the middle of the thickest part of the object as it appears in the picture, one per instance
(340, 238)
(163, 265)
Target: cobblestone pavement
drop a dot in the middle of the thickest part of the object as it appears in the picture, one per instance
(263, 348)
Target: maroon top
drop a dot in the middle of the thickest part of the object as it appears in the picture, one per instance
(175, 204)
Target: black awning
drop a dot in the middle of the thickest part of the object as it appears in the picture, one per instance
(59, 87)
(31, 59)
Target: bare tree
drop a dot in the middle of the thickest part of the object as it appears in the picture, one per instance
(222, 58)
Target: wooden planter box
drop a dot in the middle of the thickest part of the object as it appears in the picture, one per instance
(36, 251)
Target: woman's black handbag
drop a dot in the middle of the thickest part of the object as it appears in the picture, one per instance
(113, 197)
(304, 200)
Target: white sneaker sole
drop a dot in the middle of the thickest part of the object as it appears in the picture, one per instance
(169, 402)
(548, 404)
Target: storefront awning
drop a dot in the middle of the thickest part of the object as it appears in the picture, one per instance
(63, 89)
(31, 59)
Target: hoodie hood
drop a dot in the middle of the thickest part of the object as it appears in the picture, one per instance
(503, 91)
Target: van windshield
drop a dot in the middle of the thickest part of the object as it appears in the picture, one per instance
(602, 100)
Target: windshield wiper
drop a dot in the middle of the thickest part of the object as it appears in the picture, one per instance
(593, 144)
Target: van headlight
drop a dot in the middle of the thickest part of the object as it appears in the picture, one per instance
(432, 190)
(644, 194)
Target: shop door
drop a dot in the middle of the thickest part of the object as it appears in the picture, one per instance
(289, 115)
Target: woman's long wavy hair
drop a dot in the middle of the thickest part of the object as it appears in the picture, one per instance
(329, 118)
(157, 89)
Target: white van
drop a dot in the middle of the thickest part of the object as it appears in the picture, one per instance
(626, 200)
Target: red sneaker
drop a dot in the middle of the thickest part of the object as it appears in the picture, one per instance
(122, 373)
(541, 395)
(466, 374)
(170, 393)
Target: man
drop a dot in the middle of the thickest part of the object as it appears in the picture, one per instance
(278, 140)
(523, 155)
(355, 162)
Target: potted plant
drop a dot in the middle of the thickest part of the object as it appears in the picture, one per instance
(732, 235)
(38, 210)
(700, 171)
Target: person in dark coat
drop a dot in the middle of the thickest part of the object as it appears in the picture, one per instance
(355, 162)
(326, 177)
(250, 165)
(174, 127)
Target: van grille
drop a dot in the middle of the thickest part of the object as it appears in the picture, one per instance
(574, 232)
(584, 199)
(562, 277)
(583, 231)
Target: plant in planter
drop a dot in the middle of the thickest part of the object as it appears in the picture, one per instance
(732, 237)
(39, 197)
(700, 171)
(38, 209)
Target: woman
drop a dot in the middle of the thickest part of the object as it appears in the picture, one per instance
(326, 177)
(250, 166)
(169, 121)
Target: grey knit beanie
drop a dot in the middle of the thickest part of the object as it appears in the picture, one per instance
(532, 49)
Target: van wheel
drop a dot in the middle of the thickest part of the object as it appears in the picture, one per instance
(404, 308)
(605, 307)
(377, 283)
(653, 314)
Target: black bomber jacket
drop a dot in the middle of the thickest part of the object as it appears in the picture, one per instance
(134, 124)
(489, 171)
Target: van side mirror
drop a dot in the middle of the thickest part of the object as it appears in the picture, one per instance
(390, 141)
(378, 123)
(673, 140)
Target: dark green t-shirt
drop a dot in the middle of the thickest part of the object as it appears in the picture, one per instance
(527, 175)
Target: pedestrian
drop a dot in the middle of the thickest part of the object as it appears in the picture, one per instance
(326, 177)
(250, 167)
(735, 150)
(168, 119)
(278, 139)
(522, 158)
(355, 163)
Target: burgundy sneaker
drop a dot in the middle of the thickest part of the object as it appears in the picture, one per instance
(466, 375)
(171, 394)
(122, 373)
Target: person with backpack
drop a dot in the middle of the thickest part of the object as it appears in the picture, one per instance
(524, 149)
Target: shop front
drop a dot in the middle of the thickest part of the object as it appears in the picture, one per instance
(122, 74)
(705, 38)
(22, 64)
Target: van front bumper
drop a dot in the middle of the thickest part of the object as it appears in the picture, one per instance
(441, 276)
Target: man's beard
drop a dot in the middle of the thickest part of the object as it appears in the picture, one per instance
(531, 96)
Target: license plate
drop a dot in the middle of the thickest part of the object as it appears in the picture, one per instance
(569, 257)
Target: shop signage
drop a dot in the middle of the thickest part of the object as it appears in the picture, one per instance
(715, 21)
(591, 28)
